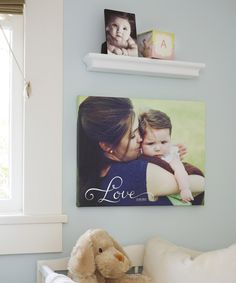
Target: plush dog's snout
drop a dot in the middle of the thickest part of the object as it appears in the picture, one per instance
(119, 256)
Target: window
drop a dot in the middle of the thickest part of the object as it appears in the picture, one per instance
(11, 113)
(38, 225)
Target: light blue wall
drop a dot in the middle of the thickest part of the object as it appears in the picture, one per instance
(205, 32)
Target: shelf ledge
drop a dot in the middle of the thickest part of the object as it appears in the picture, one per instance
(141, 66)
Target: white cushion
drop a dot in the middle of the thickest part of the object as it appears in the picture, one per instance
(165, 262)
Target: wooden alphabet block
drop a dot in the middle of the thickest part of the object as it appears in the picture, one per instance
(156, 44)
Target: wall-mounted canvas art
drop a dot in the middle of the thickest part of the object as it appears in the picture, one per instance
(140, 152)
(121, 35)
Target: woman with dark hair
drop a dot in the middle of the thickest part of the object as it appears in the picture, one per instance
(109, 170)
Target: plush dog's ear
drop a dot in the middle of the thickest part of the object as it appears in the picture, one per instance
(81, 263)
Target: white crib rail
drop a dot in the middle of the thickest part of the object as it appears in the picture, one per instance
(46, 267)
(45, 270)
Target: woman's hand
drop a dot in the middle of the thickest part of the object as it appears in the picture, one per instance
(182, 150)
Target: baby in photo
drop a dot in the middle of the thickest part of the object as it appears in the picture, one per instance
(118, 33)
(155, 129)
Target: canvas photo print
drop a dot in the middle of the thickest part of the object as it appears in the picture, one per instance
(140, 152)
(121, 35)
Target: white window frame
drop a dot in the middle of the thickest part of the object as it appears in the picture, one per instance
(39, 226)
(16, 117)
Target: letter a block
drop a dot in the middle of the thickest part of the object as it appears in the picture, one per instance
(156, 44)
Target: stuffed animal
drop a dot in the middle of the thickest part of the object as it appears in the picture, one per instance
(98, 258)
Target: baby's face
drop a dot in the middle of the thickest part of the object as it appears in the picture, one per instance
(156, 142)
(119, 29)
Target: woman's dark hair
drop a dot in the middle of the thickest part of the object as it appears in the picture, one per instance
(100, 119)
(154, 119)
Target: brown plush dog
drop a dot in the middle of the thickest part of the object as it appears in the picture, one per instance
(98, 258)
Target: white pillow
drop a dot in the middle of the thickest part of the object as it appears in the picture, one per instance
(165, 262)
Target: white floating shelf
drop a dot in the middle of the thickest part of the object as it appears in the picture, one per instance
(141, 66)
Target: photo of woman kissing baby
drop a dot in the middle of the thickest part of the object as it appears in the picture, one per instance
(140, 152)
